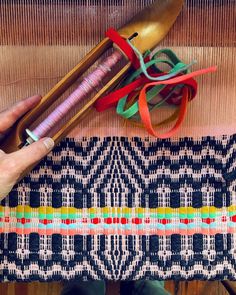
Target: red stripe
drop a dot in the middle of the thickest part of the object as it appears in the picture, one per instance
(117, 220)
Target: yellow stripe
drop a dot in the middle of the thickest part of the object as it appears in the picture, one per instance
(118, 210)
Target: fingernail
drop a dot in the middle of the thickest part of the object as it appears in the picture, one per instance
(49, 143)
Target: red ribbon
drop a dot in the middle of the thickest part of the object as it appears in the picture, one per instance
(189, 90)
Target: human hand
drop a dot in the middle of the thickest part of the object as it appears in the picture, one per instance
(14, 164)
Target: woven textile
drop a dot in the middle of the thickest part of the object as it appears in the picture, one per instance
(118, 208)
(109, 203)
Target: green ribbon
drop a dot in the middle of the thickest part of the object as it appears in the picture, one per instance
(177, 67)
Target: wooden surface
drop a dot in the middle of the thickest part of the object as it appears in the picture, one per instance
(197, 288)
(184, 288)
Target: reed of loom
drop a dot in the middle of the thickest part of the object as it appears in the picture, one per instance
(152, 25)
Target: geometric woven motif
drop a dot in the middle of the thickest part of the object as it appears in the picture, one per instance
(118, 208)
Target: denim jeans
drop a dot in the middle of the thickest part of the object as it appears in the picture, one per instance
(99, 288)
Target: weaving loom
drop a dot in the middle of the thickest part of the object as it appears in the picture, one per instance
(111, 202)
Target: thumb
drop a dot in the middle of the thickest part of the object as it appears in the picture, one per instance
(31, 154)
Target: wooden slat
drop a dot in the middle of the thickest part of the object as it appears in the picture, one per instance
(31, 288)
(21, 288)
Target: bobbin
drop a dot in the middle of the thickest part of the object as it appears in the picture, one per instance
(152, 25)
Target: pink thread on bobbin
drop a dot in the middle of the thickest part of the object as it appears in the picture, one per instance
(87, 86)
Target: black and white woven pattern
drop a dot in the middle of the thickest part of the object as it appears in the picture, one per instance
(122, 172)
(133, 172)
(34, 257)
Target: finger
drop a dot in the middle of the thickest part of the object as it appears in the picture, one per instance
(11, 115)
(8, 177)
(31, 154)
(5, 189)
(2, 153)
